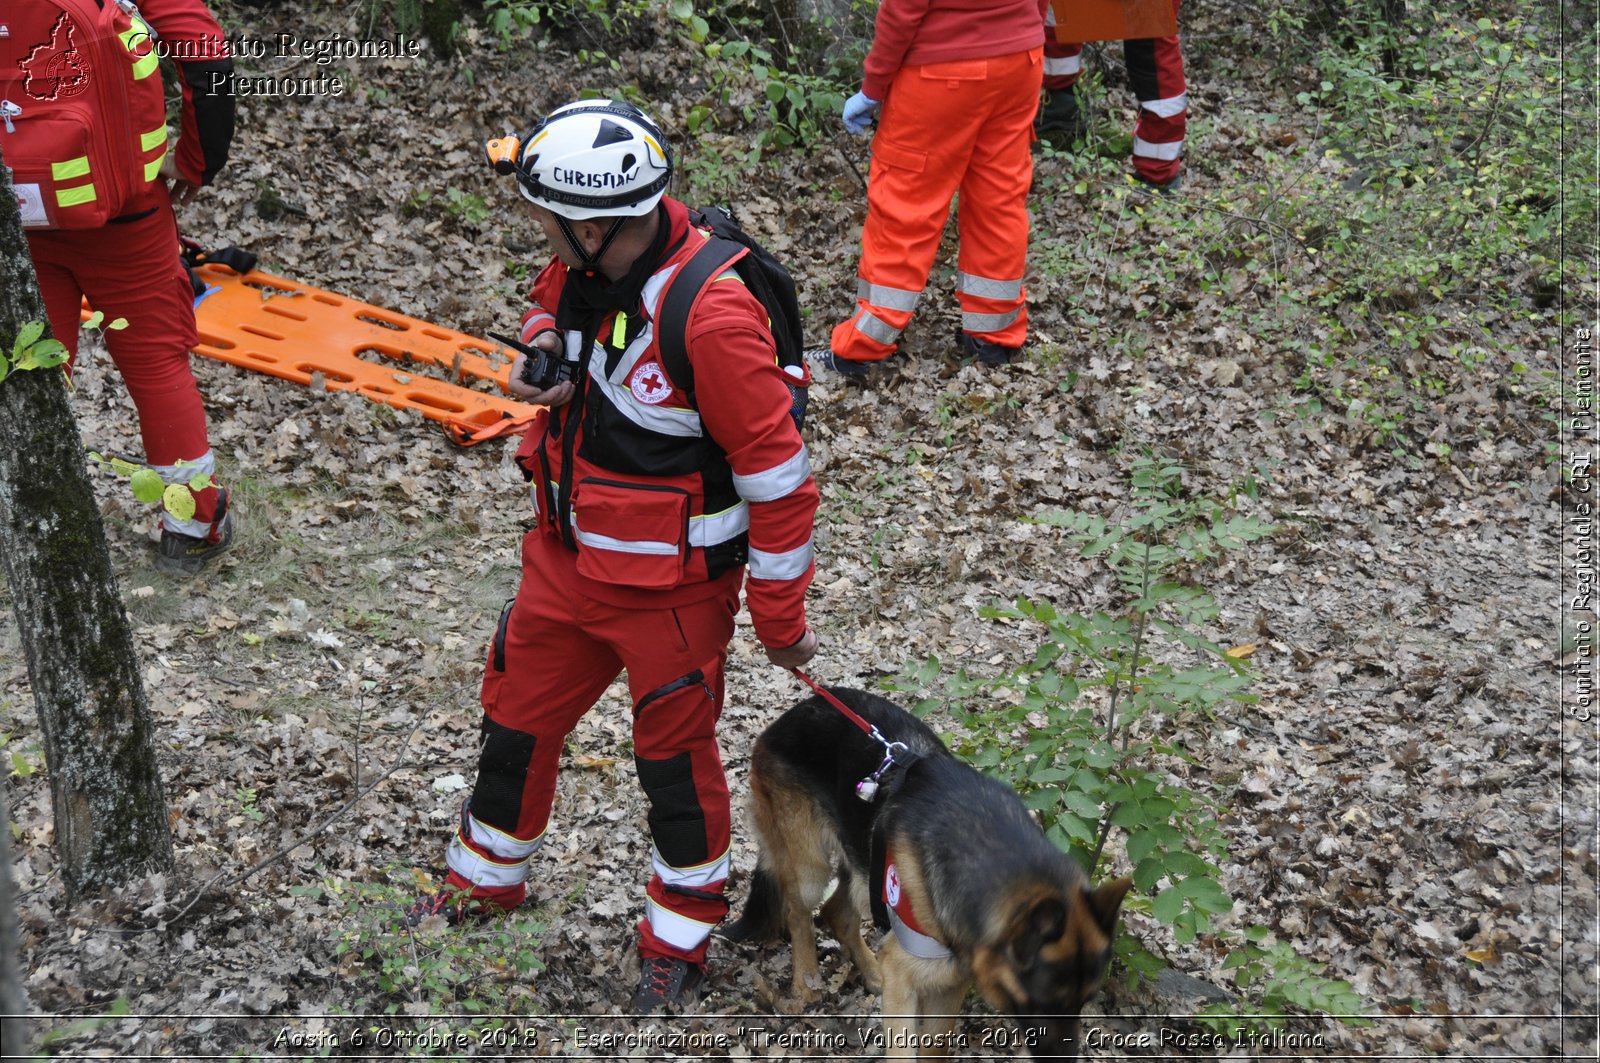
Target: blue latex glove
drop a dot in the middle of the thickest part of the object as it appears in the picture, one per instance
(860, 111)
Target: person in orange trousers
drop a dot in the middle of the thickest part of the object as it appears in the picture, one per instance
(952, 85)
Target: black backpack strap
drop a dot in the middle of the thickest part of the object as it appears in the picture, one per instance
(194, 256)
(235, 258)
(672, 324)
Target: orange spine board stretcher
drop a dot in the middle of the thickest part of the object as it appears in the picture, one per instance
(1079, 21)
(274, 325)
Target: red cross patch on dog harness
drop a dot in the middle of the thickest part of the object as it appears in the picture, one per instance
(903, 922)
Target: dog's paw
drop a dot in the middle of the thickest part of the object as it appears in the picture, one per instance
(871, 977)
(803, 993)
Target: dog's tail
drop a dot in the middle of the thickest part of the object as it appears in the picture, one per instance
(762, 919)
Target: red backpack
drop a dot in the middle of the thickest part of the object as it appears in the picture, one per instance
(84, 115)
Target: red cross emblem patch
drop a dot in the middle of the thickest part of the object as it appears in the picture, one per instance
(649, 384)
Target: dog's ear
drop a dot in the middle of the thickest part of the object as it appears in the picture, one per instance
(1041, 924)
(1105, 902)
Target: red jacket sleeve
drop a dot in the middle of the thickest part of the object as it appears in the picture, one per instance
(190, 33)
(893, 34)
(920, 32)
(744, 406)
(545, 296)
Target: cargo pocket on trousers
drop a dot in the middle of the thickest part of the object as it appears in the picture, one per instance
(956, 70)
(494, 672)
(631, 535)
(900, 156)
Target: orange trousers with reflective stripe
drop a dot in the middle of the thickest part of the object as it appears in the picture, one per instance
(957, 127)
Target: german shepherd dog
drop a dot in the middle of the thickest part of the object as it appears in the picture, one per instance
(975, 893)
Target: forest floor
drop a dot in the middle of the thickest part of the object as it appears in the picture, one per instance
(1397, 807)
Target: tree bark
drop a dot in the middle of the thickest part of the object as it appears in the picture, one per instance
(1394, 17)
(13, 1002)
(99, 740)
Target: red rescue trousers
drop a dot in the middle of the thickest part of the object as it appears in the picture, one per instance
(554, 654)
(964, 126)
(133, 270)
(1155, 74)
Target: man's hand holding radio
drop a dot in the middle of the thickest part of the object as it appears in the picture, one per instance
(539, 379)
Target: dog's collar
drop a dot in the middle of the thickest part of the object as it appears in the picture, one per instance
(886, 779)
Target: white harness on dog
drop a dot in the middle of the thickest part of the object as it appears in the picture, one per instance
(904, 924)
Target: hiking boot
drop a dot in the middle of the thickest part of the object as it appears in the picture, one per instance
(824, 359)
(456, 905)
(990, 354)
(665, 981)
(1148, 188)
(187, 555)
(1060, 119)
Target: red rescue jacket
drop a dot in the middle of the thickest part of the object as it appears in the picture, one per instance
(919, 32)
(669, 498)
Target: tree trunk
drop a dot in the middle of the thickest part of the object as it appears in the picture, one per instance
(105, 785)
(13, 1002)
(1394, 17)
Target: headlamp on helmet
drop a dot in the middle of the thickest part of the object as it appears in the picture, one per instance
(591, 159)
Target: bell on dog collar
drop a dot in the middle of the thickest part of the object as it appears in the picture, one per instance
(867, 789)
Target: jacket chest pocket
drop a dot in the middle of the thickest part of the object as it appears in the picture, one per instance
(631, 535)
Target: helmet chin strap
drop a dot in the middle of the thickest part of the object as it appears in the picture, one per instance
(590, 263)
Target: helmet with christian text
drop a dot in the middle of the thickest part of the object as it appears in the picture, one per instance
(590, 159)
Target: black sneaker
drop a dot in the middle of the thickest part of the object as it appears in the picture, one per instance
(991, 354)
(666, 982)
(187, 555)
(824, 359)
(1060, 119)
(456, 905)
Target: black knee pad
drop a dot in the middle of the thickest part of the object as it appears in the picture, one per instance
(1140, 57)
(502, 771)
(677, 822)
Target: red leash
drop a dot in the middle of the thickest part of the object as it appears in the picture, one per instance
(853, 717)
(867, 788)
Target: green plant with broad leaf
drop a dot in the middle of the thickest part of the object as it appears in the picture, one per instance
(468, 977)
(788, 78)
(148, 486)
(32, 350)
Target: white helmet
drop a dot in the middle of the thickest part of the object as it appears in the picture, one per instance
(595, 159)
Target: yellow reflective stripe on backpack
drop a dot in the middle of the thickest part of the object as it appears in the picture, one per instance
(72, 197)
(154, 140)
(66, 171)
(146, 64)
